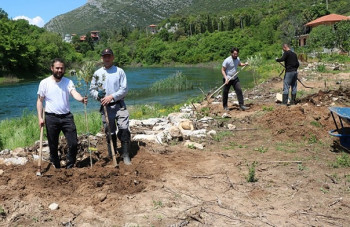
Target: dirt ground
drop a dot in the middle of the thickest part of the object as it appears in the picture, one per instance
(279, 167)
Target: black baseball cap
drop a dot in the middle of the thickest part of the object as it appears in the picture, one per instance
(107, 51)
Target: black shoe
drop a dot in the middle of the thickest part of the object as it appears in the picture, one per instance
(226, 108)
(243, 107)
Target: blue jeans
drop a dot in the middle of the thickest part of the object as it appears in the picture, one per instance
(290, 80)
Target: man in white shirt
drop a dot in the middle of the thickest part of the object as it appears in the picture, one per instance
(55, 91)
(228, 70)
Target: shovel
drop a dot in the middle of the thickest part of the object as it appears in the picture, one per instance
(38, 173)
(115, 164)
(297, 77)
(208, 98)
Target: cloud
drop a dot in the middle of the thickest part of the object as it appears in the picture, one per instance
(38, 21)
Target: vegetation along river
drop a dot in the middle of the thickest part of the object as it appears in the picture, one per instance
(18, 99)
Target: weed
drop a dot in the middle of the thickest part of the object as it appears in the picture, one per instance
(268, 108)
(342, 161)
(191, 146)
(242, 146)
(251, 175)
(157, 204)
(232, 146)
(205, 111)
(324, 190)
(312, 139)
(316, 124)
(261, 149)
(321, 68)
(220, 135)
(301, 167)
(347, 178)
(2, 212)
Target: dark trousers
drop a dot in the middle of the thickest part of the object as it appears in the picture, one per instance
(237, 87)
(54, 125)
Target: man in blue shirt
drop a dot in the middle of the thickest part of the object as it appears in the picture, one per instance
(109, 86)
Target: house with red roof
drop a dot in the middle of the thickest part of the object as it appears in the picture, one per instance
(330, 19)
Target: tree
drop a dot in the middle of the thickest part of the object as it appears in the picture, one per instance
(322, 36)
(3, 14)
(342, 35)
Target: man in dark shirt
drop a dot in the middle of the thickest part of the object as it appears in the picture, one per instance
(291, 64)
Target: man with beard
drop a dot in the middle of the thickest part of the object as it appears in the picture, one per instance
(55, 91)
(228, 70)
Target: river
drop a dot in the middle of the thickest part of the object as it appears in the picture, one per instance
(20, 98)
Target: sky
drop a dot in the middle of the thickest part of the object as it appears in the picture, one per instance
(38, 12)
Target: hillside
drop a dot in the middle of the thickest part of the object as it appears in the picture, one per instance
(115, 14)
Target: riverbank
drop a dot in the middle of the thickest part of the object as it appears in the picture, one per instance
(271, 165)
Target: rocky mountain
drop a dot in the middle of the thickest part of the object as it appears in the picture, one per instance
(113, 14)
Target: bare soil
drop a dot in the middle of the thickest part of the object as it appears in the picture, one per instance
(295, 183)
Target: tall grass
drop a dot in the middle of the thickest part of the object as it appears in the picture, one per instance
(173, 83)
(24, 131)
(177, 82)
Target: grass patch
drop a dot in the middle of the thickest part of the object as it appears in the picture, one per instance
(24, 131)
(342, 160)
(150, 111)
(251, 173)
(267, 108)
(287, 147)
(316, 124)
(261, 149)
(220, 135)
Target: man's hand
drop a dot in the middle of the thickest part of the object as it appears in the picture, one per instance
(106, 100)
(85, 100)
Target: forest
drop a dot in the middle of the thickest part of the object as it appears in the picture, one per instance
(26, 50)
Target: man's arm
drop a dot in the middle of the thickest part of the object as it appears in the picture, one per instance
(78, 96)
(39, 108)
(283, 58)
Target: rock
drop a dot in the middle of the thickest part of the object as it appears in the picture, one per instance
(163, 137)
(53, 206)
(19, 152)
(194, 145)
(279, 98)
(133, 123)
(211, 133)
(216, 103)
(225, 115)
(186, 125)
(231, 126)
(142, 137)
(101, 196)
(14, 161)
(1, 172)
(206, 119)
(195, 133)
(175, 132)
(5, 152)
(152, 121)
(100, 135)
(175, 118)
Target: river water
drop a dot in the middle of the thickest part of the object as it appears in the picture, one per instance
(17, 99)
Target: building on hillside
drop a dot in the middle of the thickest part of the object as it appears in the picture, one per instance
(95, 35)
(153, 28)
(330, 19)
(68, 38)
(82, 38)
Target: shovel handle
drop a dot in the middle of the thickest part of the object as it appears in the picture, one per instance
(41, 143)
(224, 83)
(110, 137)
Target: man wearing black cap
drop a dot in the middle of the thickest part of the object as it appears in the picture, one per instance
(109, 86)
